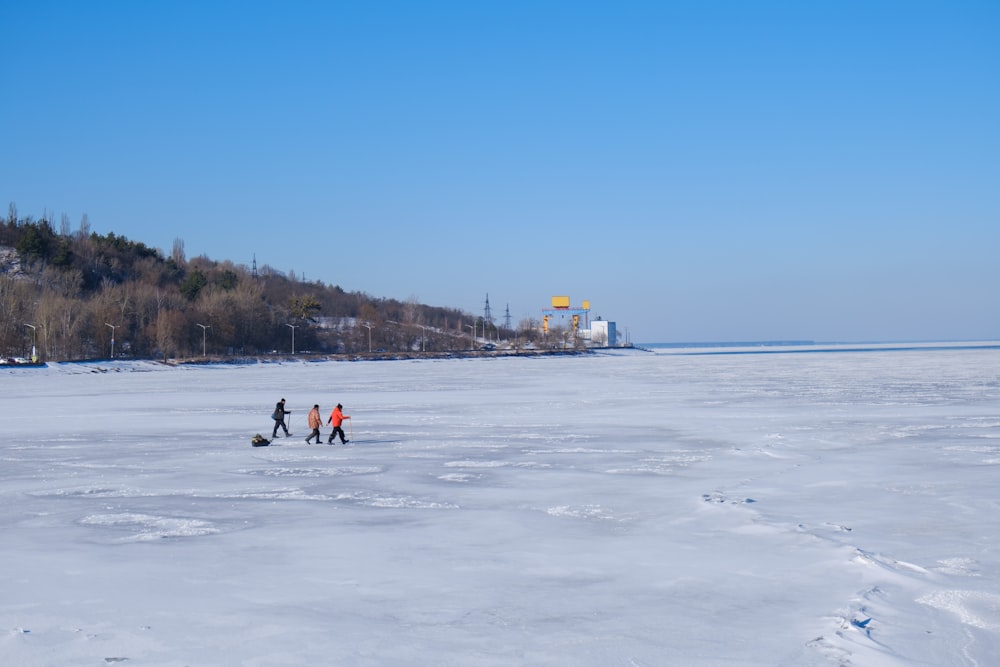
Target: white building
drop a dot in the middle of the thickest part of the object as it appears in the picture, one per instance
(603, 334)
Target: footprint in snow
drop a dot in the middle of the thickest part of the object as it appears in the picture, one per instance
(716, 497)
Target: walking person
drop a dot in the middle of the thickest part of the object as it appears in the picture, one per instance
(279, 418)
(337, 418)
(315, 421)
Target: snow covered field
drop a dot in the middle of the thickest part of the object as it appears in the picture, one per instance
(629, 508)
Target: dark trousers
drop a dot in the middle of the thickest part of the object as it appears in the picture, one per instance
(336, 430)
(277, 423)
(314, 434)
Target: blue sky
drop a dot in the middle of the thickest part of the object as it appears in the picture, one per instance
(698, 171)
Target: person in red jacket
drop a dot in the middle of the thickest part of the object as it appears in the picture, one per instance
(315, 421)
(337, 418)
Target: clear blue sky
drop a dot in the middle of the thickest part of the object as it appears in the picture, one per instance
(696, 170)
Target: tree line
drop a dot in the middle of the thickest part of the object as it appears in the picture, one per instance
(77, 295)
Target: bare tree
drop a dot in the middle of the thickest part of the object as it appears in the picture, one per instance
(411, 310)
(84, 230)
(177, 253)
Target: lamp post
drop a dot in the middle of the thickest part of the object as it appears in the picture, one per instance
(204, 332)
(293, 327)
(423, 332)
(369, 327)
(113, 327)
(472, 341)
(34, 355)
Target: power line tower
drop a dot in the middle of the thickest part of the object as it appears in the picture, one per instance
(487, 316)
(254, 266)
(506, 318)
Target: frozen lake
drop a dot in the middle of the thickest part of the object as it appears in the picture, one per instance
(629, 508)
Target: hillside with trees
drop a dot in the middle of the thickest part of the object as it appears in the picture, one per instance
(82, 295)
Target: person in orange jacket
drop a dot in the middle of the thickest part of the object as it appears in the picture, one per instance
(337, 418)
(315, 421)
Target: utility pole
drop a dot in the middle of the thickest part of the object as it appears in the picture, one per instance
(204, 331)
(369, 327)
(423, 334)
(113, 327)
(34, 355)
(294, 327)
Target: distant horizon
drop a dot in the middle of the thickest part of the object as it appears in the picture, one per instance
(791, 343)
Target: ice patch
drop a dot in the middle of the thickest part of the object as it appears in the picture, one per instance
(582, 512)
(146, 527)
(494, 464)
(392, 502)
(868, 558)
(579, 450)
(476, 464)
(312, 472)
(961, 566)
(458, 477)
(659, 466)
(976, 608)
(272, 494)
(89, 492)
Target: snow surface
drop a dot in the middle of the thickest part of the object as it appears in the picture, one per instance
(627, 508)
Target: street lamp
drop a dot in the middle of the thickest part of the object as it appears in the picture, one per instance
(34, 355)
(204, 332)
(472, 341)
(294, 327)
(423, 333)
(113, 327)
(369, 327)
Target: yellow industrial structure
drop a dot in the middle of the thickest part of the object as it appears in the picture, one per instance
(599, 333)
(561, 307)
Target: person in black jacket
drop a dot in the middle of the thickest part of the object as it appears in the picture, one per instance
(279, 418)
